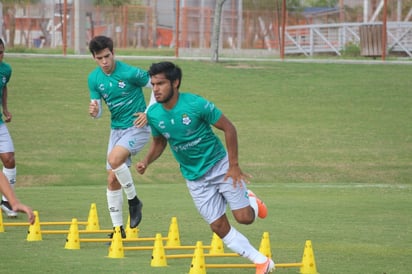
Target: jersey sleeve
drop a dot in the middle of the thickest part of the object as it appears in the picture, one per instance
(141, 77)
(150, 120)
(208, 111)
(94, 94)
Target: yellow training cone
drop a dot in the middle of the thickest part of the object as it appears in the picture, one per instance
(131, 233)
(173, 238)
(198, 265)
(265, 245)
(93, 219)
(116, 247)
(1, 222)
(72, 240)
(34, 233)
(308, 260)
(158, 255)
(216, 246)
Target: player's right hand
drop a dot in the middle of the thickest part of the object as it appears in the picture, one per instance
(93, 108)
(141, 167)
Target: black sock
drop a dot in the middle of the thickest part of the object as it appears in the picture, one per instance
(134, 201)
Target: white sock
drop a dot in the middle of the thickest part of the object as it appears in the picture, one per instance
(254, 205)
(10, 173)
(115, 204)
(124, 176)
(241, 245)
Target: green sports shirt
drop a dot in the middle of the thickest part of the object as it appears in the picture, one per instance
(5, 74)
(187, 128)
(121, 91)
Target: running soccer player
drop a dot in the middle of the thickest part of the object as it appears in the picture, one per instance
(212, 174)
(119, 85)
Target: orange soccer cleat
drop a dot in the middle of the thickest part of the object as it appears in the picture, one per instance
(262, 209)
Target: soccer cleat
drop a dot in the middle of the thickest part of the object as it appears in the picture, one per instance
(5, 206)
(262, 209)
(122, 232)
(266, 267)
(135, 213)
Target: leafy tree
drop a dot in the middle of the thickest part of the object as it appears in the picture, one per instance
(113, 3)
(263, 5)
(322, 3)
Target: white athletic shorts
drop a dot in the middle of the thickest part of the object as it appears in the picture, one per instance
(132, 138)
(6, 143)
(211, 194)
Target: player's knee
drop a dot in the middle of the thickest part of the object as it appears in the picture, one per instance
(221, 226)
(245, 216)
(9, 162)
(112, 183)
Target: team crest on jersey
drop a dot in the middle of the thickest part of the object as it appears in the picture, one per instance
(186, 120)
(4, 79)
(121, 84)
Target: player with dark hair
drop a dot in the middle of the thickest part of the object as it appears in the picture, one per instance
(212, 173)
(120, 85)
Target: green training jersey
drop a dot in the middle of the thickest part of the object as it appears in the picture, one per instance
(121, 91)
(187, 128)
(5, 75)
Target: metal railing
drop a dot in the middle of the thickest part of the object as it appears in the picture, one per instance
(334, 38)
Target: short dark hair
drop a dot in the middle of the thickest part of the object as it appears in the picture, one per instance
(2, 42)
(169, 69)
(99, 43)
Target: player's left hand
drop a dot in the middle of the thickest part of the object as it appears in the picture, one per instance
(141, 119)
(237, 176)
(25, 209)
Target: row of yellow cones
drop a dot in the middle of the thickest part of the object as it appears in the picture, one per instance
(216, 249)
(198, 266)
(35, 233)
(92, 226)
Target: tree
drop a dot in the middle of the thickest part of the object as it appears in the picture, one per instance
(323, 3)
(113, 3)
(216, 30)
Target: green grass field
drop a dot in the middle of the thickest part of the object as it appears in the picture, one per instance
(329, 147)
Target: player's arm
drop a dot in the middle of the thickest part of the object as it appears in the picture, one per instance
(7, 114)
(7, 191)
(95, 108)
(95, 105)
(141, 119)
(152, 98)
(231, 141)
(156, 149)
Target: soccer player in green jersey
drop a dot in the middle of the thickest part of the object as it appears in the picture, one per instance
(6, 142)
(120, 85)
(212, 173)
